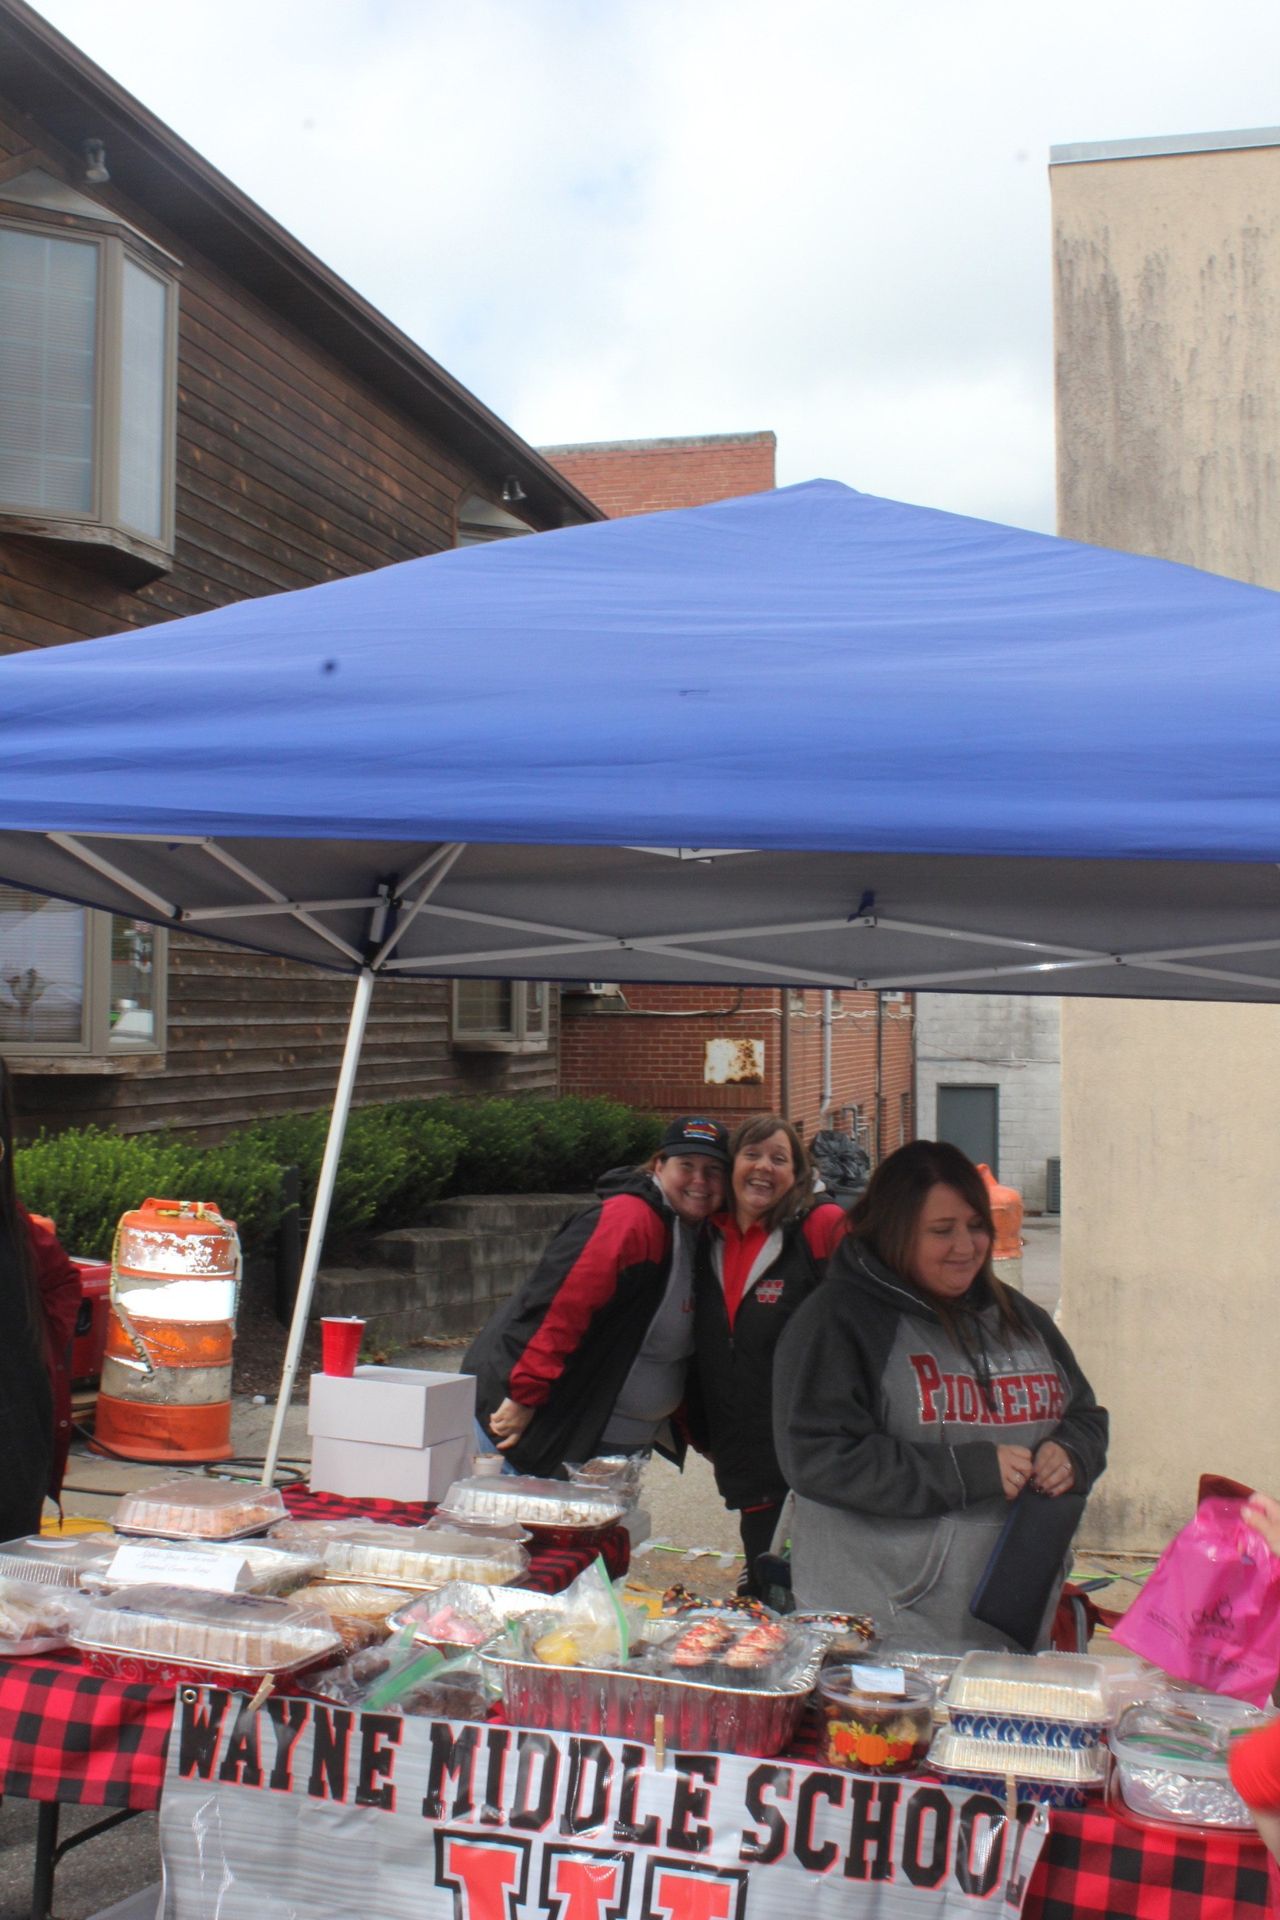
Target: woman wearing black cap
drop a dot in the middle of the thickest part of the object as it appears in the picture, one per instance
(589, 1356)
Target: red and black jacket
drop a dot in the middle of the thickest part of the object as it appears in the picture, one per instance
(565, 1341)
(730, 1406)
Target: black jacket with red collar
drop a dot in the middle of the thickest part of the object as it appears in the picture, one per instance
(565, 1341)
(730, 1409)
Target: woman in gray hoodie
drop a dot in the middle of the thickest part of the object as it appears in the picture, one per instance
(914, 1397)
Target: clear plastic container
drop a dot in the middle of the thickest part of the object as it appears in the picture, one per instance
(267, 1568)
(1168, 1770)
(871, 1731)
(171, 1633)
(1215, 1714)
(954, 1752)
(477, 1605)
(37, 1618)
(49, 1560)
(617, 1474)
(195, 1509)
(1042, 1686)
(445, 1520)
(845, 1636)
(546, 1507)
(417, 1557)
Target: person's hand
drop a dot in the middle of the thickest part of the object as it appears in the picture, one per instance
(1263, 1513)
(1015, 1470)
(1055, 1470)
(507, 1422)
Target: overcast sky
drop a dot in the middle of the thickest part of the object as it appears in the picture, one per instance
(613, 219)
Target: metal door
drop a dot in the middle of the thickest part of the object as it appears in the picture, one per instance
(969, 1117)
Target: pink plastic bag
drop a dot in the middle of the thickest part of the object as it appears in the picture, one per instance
(1210, 1612)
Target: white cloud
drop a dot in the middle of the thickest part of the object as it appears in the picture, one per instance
(669, 216)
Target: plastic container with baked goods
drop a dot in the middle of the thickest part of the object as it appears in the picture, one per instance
(1069, 1688)
(554, 1511)
(870, 1729)
(55, 1560)
(197, 1509)
(444, 1520)
(729, 1650)
(265, 1568)
(1083, 1769)
(166, 1635)
(417, 1557)
(846, 1636)
(1171, 1770)
(37, 1619)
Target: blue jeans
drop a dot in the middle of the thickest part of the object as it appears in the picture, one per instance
(485, 1443)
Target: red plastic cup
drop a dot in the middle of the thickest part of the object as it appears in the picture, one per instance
(340, 1344)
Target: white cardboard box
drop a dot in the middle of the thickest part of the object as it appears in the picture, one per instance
(364, 1469)
(394, 1406)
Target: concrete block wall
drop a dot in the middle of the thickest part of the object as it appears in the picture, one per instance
(1001, 1040)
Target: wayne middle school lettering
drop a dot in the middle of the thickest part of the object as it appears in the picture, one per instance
(308, 1807)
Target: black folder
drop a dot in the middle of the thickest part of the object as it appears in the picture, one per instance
(1026, 1564)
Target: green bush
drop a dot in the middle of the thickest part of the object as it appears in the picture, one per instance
(396, 1161)
(85, 1179)
(496, 1151)
(578, 1140)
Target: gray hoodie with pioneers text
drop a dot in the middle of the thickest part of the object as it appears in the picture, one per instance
(887, 1427)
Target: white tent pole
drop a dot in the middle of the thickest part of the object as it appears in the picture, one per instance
(320, 1212)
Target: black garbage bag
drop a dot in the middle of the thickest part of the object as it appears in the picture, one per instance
(844, 1166)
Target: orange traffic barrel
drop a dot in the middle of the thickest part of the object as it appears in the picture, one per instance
(166, 1372)
(1006, 1211)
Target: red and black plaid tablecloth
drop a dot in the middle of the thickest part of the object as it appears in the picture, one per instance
(67, 1735)
(1099, 1865)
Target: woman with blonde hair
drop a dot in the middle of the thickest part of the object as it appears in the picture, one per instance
(757, 1261)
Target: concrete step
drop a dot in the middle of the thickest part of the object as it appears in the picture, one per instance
(446, 1250)
(401, 1306)
(447, 1278)
(508, 1212)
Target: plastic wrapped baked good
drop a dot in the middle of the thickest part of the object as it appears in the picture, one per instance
(1082, 1767)
(477, 1604)
(417, 1557)
(1044, 1686)
(265, 1568)
(168, 1631)
(37, 1619)
(544, 1506)
(198, 1509)
(55, 1560)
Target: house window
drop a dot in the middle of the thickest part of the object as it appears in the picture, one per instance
(501, 1016)
(88, 329)
(74, 983)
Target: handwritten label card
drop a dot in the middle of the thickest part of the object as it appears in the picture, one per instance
(213, 1569)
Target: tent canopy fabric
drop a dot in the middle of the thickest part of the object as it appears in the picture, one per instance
(805, 736)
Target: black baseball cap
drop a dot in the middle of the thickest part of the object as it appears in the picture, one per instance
(691, 1133)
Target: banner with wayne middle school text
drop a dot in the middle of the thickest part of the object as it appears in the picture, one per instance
(309, 1811)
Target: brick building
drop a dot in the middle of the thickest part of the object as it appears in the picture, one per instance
(651, 476)
(843, 1059)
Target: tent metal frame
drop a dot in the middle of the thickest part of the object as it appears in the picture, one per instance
(392, 913)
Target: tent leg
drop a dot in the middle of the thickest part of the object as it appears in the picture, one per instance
(320, 1213)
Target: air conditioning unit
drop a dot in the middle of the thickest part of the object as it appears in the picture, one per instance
(593, 989)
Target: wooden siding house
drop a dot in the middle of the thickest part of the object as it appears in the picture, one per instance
(193, 410)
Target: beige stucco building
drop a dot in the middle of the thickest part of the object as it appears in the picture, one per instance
(1167, 322)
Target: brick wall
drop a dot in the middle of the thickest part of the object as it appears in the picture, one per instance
(649, 1048)
(648, 476)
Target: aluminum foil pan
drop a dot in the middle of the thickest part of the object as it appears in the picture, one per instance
(628, 1704)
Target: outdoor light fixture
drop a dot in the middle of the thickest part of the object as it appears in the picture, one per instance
(95, 162)
(512, 492)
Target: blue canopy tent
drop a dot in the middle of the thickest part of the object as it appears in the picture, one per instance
(807, 736)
